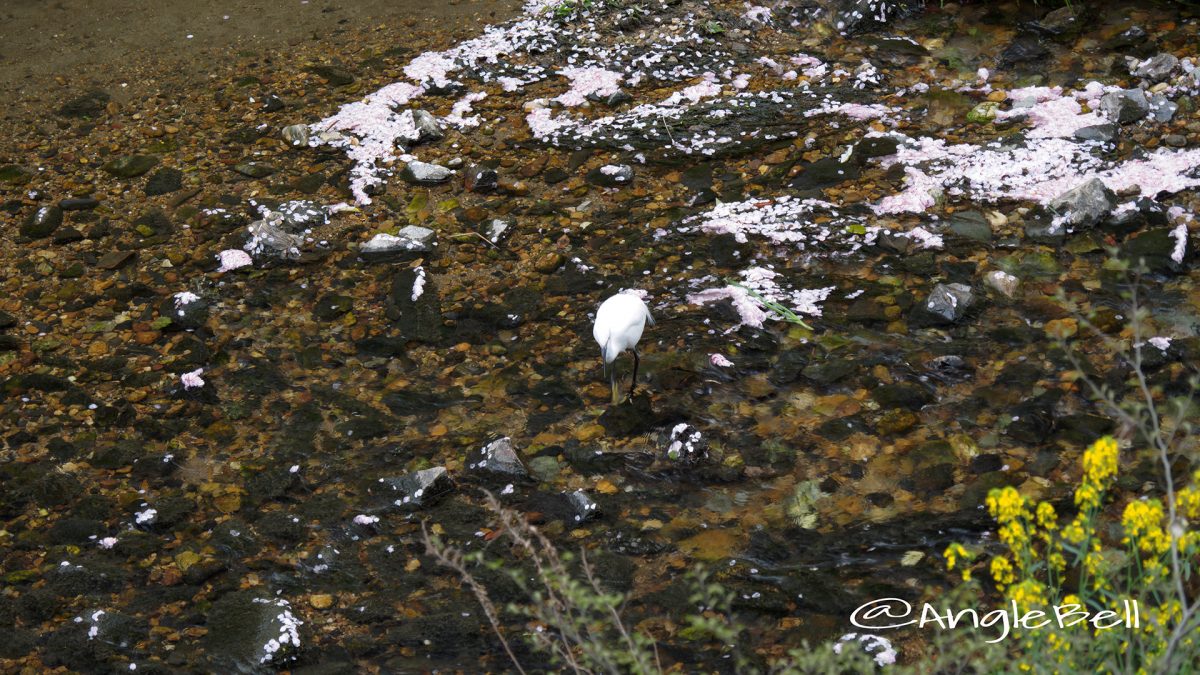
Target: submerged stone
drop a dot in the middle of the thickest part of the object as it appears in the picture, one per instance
(409, 243)
(418, 489)
(950, 302)
(131, 166)
(42, 223)
(248, 633)
(498, 457)
(584, 508)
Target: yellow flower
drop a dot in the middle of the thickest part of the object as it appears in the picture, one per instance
(953, 552)
(1047, 519)
(1100, 461)
(1143, 525)
(1075, 532)
(1187, 501)
(1006, 505)
(1002, 571)
(1028, 593)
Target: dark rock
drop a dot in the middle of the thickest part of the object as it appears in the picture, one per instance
(1062, 21)
(1134, 36)
(439, 635)
(902, 395)
(115, 259)
(498, 457)
(583, 507)
(42, 223)
(827, 371)
(11, 174)
(970, 225)
(851, 17)
(1025, 48)
(7, 320)
(423, 173)
(186, 310)
(248, 633)
(986, 463)
(611, 175)
(414, 307)
(164, 181)
(254, 169)
(331, 306)
(296, 135)
(1123, 107)
(686, 444)
(630, 419)
(418, 489)
(91, 104)
(481, 178)
(1164, 250)
(79, 204)
(1033, 420)
(824, 173)
(496, 231)
(130, 166)
(338, 77)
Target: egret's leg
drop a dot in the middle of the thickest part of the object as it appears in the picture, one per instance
(612, 378)
(633, 384)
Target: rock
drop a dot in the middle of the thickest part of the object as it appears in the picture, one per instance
(970, 225)
(414, 306)
(254, 169)
(79, 204)
(296, 134)
(983, 113)
(1025, 48)
(824, 173)
(496, 231)
(164, 181)
(131, 166)
(1125, 106)
(1032, 421)
(1083, 206)
(1162, 249)
(91, 104)
(481, 178)
(686, 444)
(1005, 283)
(1162, 108)
(186, 310)
(42, 223)
(338, 77)
(409, 243)
(248, 633)
(418, 489)
(1131, 217)
(851, 17)
(1156, 68)
(330, 306)
(611, 175)
(1133, 36)
(427, 125)
(875, 146)
(7, 320)
(1105, 133)
(1061, 21)
(498, 457)
(267, 237)
(828, 371)
(12, 174)
(901, 395)
(582, 506)
(950, 301)
(423, 173)
(115, 259)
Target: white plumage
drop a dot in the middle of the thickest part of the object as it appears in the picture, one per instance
(619, 325)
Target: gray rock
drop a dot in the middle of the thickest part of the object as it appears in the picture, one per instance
(186, 310)
(1162, 108)
(427, 125)
(971, 225)
(850, 17)
(611, 175)
(950, 301)
(1162, 249)
(414, 305)
(1084, 205)
(1104, 133)
(498, 457)
(296, 134)
(1125, 106)
(423, 173)
(409, 243)
(79, 203)
(583, 507)
(13, 174)
(418, 489)
(42, 223)
(267, 237)
(248, 633)
(300, 215)
(686, 444)
(338, 77)
(91, 104)
(1156, 68)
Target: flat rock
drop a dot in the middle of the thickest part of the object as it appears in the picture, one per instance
(130, 166)
(42, 223)
(411, 242)
(1125, 106)
(1084, 205)
(423, 173)
(949, 301)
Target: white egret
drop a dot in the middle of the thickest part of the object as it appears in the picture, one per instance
(619, 324)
